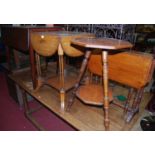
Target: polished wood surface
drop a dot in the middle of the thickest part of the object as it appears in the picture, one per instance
(81, 116)
(64, 38)
(69, 49)
(92, 94)
(130, 68)
(44, 45)
(102, 43)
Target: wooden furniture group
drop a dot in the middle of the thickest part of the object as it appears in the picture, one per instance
(128, 68)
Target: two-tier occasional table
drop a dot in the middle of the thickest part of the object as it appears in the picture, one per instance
(106, 45)
(44, 39)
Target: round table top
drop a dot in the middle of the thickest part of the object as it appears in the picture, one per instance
(102, 43)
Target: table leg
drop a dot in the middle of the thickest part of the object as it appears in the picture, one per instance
(61, 70)
(82, 71)
(127, 103)
(38, 66)
(139, 99)
(39, 80)
(33, 67)
(28, 111)
(105, 87)
(135, 106)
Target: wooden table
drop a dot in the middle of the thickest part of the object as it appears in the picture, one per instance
(17, 37)
(81, 116)
(61, 35)
(106, 45)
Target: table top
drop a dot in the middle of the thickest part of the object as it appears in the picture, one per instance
(49, 42)
(102, 43)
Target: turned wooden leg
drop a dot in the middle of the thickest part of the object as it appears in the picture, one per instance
(129, 114)
(62, 90)
(105, 88)
(135, 106)
(61, 69)
(126, 107)
(82, 71)
(140, 95)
